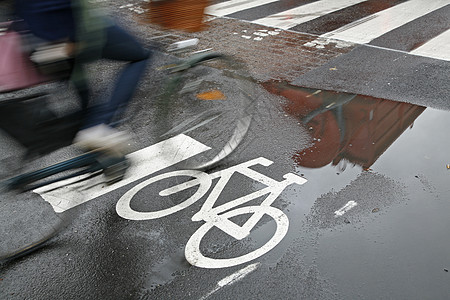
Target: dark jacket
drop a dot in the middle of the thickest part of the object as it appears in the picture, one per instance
(48, 19)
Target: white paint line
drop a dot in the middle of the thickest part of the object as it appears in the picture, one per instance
(438, 47)
(320, 43)
(301, 14)
(345, 208)
(233, 278)
(232, 6)
(366, 29)
(144, 162)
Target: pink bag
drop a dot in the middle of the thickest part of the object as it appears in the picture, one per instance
(16, 70)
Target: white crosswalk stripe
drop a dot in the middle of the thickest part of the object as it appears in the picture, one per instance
(365, 30)
(358, 31)
(290, 18)
(232, 6)
(439, 47)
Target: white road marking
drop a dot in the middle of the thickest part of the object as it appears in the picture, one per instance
(366, 29)
(193, 253)
(233, 278)
(292, 17)
(229, 7)
(144, 162)
(438, 47)
(345, 208)
(123, 206)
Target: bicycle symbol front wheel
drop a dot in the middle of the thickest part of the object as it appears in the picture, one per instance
(193, 250)
(209, 97)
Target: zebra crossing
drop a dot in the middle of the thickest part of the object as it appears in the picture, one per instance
(418, 27)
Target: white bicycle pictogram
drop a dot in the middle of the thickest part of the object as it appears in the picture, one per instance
(219, 216)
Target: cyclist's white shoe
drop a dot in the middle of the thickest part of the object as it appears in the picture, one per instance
(103, 138)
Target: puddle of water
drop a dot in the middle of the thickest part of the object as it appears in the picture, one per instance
(344, 128)
(354, 133)
(364, 142)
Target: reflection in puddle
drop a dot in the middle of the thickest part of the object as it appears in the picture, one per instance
(400, 179)
(372, 135)
(344, 127)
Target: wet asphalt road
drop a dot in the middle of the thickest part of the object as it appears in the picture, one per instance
(371, 222)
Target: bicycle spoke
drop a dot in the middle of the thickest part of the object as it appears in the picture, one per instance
(179, 128)
(203, 123)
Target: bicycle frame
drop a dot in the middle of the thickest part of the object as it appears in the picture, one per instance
(92, 164)
(89, 161)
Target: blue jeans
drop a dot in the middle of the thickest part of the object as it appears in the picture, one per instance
(119, 46)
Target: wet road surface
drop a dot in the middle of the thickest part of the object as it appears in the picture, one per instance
(373, 211)
(370, 222)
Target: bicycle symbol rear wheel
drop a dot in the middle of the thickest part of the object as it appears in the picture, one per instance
(210, 98)
(124, 207)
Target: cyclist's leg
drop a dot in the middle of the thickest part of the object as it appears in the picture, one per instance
(97, 133)
(121, 46)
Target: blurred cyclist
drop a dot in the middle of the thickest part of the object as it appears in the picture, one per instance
(87, 35)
